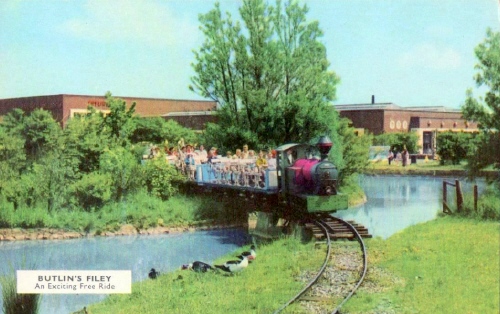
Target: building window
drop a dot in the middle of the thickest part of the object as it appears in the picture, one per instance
(427, 141)
(83, 112)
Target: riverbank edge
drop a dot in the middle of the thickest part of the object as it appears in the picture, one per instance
(429, 172)
(20, 234)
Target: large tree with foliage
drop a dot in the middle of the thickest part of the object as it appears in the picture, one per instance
(120, 123)
(398, 141)
(454, 146)
(268, 72)
(486, 110)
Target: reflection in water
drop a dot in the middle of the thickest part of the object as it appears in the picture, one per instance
(137, 253)
(396, 202)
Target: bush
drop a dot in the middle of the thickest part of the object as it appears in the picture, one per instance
(398, 141)
(453, 146)
(160, 177)
(93, 190)
(122, 166)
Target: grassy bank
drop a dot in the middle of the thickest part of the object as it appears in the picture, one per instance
(263, 287)
(422, 167)
(449, 265)
(140, 210)
(143, 211)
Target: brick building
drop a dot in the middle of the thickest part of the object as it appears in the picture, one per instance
(378, 118)
(189, 113)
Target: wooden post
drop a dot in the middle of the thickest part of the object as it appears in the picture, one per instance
(475, 197)
(460, 198)
(444, 196)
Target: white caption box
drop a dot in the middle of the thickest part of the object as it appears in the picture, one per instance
(74, 281)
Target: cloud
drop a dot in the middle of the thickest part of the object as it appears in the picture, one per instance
(144, 21)
(430, 56)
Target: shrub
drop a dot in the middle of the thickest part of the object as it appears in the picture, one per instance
(453, 146)
(160, 178)
(124, 170)
(398, 141)
(93, 190)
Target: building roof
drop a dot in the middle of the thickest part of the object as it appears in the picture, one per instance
(392, 106)
(103, 96)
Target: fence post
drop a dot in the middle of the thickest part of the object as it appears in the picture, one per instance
(444, 197)
(475, 197)
(460, 198)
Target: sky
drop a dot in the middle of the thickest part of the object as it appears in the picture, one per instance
(411, 53)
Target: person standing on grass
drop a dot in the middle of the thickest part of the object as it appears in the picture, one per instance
(405, 157)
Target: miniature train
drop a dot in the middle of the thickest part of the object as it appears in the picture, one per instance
(303, 180)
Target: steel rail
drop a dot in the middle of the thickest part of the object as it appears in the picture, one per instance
(318, 275)
(365, 264)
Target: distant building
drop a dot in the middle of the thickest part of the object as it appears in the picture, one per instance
(378, 118)
(189, 113)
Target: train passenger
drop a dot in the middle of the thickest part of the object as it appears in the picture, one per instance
(203, 154)
(251, 154)
(289, 157)
(245, 152)
(212, 154)
(238, 154)
(271, 161)
(229, 154)
(261, 161)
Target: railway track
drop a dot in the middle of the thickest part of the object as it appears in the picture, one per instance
(332, 228)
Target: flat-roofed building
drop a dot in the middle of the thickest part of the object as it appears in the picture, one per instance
(189, 113)
(426, 121)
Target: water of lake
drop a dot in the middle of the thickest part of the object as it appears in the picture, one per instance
(137, 253)
(397, 202)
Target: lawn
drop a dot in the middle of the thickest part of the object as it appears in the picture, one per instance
(449, 265)
(262, 287)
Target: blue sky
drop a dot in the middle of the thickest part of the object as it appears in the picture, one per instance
(411, 53)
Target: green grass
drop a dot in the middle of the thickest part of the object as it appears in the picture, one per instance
(140, 210)
(449, 265)
(422, 167)
(263, 287)
(14, 303)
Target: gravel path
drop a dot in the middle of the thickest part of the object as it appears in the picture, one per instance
(340, 277)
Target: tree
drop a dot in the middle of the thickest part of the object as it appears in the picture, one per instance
(123, 168)
(85, 139)
(41, 133)
(398, 141)
(12, 156)
(158, 130)
(120, 121)
(354, 151)
(53, 173)
(268, 73)
(486, 110)
(453, 146)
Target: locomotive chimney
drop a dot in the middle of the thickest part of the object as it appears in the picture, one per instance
(373, 99)
(324, 145)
